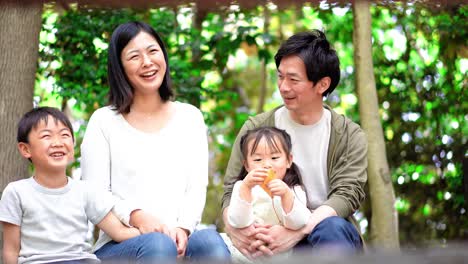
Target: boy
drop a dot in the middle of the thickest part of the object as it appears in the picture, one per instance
(45, 217)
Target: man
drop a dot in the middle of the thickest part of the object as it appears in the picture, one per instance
(330, 150)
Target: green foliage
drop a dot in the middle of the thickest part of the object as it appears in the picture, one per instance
(73, 61)
(216, 60)
(424, 114)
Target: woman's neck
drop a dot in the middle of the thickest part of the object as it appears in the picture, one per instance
(149, 114)
(147, 104)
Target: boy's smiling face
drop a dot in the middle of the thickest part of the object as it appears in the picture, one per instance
(50, 146)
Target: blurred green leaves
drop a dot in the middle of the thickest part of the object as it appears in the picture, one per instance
(420, 62)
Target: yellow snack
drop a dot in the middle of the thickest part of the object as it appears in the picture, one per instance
(271, 176)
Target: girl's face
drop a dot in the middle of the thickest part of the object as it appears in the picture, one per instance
(268, 157)
(144, 64)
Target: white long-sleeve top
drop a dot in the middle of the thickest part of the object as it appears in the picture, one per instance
(163, 173)
(266, 210)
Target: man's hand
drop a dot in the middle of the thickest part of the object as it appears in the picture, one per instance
(243, 238)
(180, 237)
(147, 223)
(278, 238)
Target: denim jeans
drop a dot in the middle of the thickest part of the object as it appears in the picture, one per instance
(333, 233)
(78, 261)
(205, 244)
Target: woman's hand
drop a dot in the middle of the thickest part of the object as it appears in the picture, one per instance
(147, 223)
(180, 237)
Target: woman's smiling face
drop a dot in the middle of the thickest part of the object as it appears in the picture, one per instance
(144, 64)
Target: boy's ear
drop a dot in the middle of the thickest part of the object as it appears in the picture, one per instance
(24, 150)
(323, 84)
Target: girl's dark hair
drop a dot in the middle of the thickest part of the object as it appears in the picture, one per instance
(319, 57)
(32, 119)
(121, 91)
(271, 134)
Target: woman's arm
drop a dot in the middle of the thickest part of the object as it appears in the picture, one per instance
(195, 158)
(112, 226)
(11, 243)
(96, 160)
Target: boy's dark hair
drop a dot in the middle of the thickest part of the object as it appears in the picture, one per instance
(32, 119)
(293, 176)
(121, 91)
(319, 58)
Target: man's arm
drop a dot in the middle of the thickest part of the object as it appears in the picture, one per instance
(234, 167)
(242, 238)
(280, 239)
(11, 243)
(348, 173)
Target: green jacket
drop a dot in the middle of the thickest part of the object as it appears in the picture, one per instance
(346, 162)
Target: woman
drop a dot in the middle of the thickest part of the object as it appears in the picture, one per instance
(151, 153)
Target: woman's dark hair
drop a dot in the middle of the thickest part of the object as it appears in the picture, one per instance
(121, 91)
(271, 135)
(32, 119)
(319, 57)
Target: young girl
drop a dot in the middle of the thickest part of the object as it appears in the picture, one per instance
(267, 150)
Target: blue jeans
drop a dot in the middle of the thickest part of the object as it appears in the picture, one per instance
(159, 248)
(78, 261)
(207, 245)
(334, 233)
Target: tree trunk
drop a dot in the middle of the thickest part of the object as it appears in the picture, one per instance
(264, 74)
(384, 223)
(20, 25)
(198, 16)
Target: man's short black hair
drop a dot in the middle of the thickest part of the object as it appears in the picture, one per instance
(319, 57)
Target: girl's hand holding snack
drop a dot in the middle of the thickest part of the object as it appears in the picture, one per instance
(271, 175)
(278, 187)
(255, 177)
